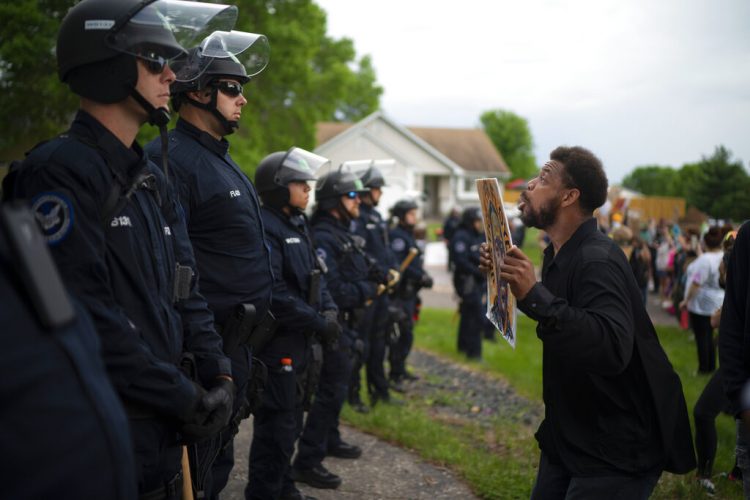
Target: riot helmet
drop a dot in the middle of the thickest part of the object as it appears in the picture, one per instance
(235, 55)
(368, 172)
(277, 170)
(469, 216)
(401, 208)
(99, 41)
(334, 184)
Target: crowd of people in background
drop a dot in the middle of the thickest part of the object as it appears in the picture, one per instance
(684, 268)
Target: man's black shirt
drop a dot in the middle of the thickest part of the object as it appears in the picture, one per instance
(613, 403)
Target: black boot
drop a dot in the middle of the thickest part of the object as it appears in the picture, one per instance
(317, 477)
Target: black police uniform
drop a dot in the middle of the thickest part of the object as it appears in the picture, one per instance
(222, 211)
(64, 431)
(123, 269)
(278, 422)
(412, 279)
(348, 284)
(371, 226)
(471, 287)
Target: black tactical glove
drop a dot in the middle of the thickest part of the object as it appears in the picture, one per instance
(332, 331)
(375, 274)
(426, 281)
(211, 412)
(396, 314)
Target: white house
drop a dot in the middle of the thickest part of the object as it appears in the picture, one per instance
(436, 165)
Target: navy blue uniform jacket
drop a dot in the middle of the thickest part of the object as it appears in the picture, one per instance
(65, 434)
(468, 280)
(122, 269)
(223, 217)
(347, 269)
(402, 240)
(371, 226)
(293, 259)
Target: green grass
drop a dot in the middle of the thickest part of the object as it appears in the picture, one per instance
(500, 461)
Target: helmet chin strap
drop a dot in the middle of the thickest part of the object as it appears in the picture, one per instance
(229, 126)
(346, 217)
(160, 118)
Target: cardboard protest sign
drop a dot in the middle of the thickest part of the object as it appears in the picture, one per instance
(501, 304)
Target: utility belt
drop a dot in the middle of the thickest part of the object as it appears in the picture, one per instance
(172, 490)
(243, 327)
(351, 317)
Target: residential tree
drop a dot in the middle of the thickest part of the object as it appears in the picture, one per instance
(720, 186)
(511, 136)
(654, 180)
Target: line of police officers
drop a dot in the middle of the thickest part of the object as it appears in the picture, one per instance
(141, 369)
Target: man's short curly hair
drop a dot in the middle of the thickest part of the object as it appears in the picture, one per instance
(583, 171)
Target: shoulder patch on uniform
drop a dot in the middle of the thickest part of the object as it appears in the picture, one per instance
(54, 213)
(459, 247)
(321, 253)
(398, 245)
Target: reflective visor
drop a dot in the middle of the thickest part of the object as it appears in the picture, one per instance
(169, 26)
(299, 165)
(251, 50)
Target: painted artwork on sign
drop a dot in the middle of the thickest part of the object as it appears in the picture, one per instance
(501, 304)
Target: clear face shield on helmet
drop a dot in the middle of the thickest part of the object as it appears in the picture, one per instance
(299, 165)
(338, 181)
(251, 50)
(163, 29)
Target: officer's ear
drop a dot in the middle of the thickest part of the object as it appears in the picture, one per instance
(203, 96)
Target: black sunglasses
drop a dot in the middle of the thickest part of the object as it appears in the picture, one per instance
(231, 89)
(154, 63)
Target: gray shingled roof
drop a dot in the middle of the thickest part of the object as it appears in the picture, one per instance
(469, 148)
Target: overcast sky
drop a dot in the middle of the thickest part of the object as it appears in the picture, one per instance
(636, 81)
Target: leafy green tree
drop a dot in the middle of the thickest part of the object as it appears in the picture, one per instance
(310, 78)
(654, 180)
(511, 136)
(34, 104)
(720, 186)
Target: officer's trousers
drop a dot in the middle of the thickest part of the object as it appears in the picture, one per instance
(218, 476)
(158, 454)
(470, 327)
(402, 347)
(324, 413)
(359, 359)
(275, 429)
(377, 384)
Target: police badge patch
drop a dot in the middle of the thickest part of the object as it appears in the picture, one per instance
(320, 253)
(398, 245)
(460, 247)
(54, 213)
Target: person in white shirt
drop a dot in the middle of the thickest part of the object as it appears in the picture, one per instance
(703, 296)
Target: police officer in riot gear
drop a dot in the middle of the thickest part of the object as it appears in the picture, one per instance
(337, 195)
(469, 282)
(304, 309)
(222, 212)
(56, 391)
(118, 234)
(371, 226)
(413, 279)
